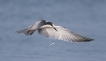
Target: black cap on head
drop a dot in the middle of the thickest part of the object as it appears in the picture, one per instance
(49, 23)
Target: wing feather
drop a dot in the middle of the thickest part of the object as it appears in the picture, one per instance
(32, 28)
(62, 34)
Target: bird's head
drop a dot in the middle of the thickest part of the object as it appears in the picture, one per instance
(50, 23)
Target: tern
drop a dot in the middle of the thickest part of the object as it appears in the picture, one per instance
(48, 29)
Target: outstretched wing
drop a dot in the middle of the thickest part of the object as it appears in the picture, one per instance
(62, 34)
(32, 28)
(37, 24)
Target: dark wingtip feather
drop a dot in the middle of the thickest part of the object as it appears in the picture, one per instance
(88, 40)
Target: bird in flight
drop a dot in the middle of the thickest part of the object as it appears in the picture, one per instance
(48, 29)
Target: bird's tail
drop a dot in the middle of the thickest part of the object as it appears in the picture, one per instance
(26, 31)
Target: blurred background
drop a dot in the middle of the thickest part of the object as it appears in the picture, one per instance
(84, 17)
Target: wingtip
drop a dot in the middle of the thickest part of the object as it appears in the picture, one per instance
(17, 32)
(88, 40)
(91, 39)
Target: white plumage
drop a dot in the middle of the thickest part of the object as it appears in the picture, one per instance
(48, 29)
